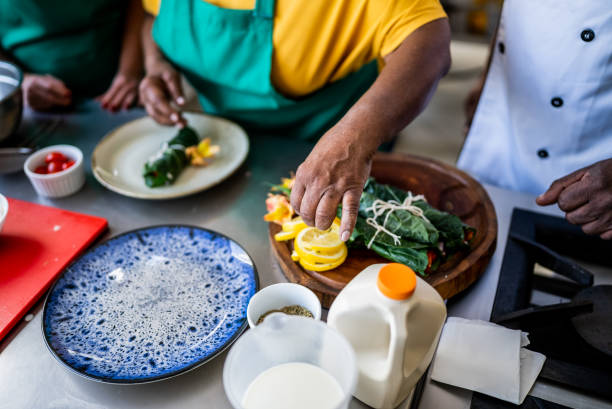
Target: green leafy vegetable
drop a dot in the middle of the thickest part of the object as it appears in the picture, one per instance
(166, 166)
(420, 243)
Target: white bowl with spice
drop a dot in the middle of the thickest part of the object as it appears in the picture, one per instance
(47, 179)
(288, 298)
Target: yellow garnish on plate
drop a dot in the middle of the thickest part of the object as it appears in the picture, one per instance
(285, 235)
(314, 249)
(279, 209)
(326, 242)
(294, 225)
(320, 266)
(288, 182)
(198, 154)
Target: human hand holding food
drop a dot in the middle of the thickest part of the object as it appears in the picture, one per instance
(45, 92)
(586, 197)
(158, 89)
(122, 93)
(333, 173)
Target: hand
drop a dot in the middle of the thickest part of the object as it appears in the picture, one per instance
(122, 93)
(335, 171)
(44, 92)
(586, 197)
(161, 85)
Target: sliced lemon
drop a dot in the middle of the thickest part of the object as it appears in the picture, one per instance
(320, 266)
(296, 225)
(326, 242)
(285, 235)
(295, 256)
(317, 257)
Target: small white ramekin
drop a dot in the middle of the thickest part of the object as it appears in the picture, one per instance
(277, 296)
(58, 184)
(4, 207)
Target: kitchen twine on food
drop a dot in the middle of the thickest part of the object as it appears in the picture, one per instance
(379, 207)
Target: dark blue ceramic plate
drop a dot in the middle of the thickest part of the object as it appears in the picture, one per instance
(149, 304)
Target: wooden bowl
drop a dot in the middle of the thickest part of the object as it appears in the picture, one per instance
(446, 188)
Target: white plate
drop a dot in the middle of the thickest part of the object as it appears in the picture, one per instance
(118, 160)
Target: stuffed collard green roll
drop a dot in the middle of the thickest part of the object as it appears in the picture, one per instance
(165, 167)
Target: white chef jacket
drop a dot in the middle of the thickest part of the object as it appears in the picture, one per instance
(546, 106)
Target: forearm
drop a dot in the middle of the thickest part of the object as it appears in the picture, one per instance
(404, 86)
(130, 60)
(152, 53)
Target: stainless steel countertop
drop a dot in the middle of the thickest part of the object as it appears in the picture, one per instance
(31, 378)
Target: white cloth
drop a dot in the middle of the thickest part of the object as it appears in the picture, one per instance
(544, 56)
(486, 358)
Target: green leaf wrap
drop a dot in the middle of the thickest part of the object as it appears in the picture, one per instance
(171, 161)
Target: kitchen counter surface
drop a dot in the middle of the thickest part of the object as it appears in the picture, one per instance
(31, 378)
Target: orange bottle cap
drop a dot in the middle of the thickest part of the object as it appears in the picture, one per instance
(396, 281)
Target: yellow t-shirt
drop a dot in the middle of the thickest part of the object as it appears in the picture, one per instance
(320, 41)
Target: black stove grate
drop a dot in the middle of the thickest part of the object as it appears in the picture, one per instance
(534, 237)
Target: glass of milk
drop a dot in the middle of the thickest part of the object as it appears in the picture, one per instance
(290, 362)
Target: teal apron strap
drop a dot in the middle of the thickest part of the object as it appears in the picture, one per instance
(264, 9)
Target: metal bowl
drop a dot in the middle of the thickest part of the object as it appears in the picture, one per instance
(10, 99)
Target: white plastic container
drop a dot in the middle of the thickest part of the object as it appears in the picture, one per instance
(60, 184)
(393, 320)
(288, 340)
(277, 296)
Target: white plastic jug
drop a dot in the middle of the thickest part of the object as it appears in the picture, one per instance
(393, 320)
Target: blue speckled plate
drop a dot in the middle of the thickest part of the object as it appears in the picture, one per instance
(149, 304)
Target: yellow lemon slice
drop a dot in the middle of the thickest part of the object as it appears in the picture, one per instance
(321, 266)
(296, 225)
(316, 257)
(285, 235)
(295, 256)
(326, 242)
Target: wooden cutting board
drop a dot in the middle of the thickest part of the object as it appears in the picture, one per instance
(36, 243)
(446, 188)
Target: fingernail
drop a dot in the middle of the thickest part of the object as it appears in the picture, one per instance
(345, 235)
(180, 100)
(174, 117)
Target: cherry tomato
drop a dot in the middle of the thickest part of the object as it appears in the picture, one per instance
(67, 164)
(41, 170)
(54, 167)
(55, 157)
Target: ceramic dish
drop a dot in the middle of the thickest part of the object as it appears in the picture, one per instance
(149, 304)
(60, 184)
(277, 296)
(118, 160)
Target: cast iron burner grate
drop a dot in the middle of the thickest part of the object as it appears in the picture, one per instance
(575, 336)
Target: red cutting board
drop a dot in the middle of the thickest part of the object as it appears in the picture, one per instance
(36, 243)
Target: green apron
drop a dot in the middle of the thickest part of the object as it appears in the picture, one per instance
(77, 41)
(226, 54)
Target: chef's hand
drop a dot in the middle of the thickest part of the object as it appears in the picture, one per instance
(44, 92)
(160, 86)
(334, 172)
(122, 93)
(586, 198)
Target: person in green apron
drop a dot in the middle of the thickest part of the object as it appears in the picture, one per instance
(74, 49)
(351, 73)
